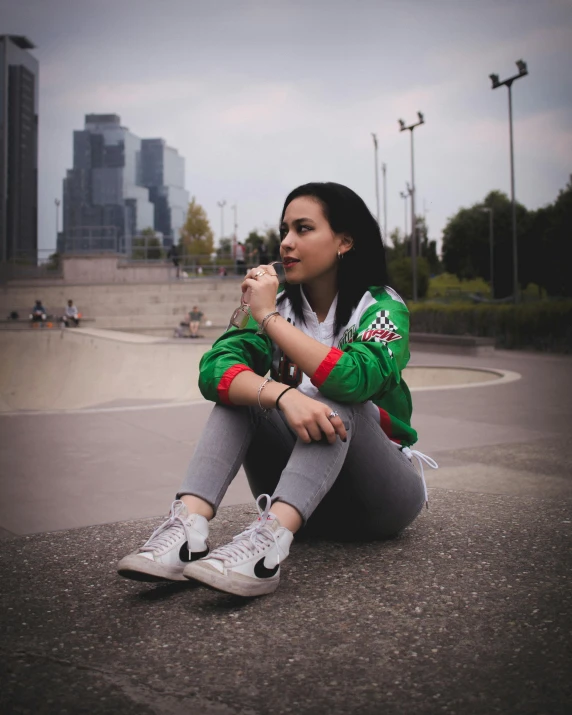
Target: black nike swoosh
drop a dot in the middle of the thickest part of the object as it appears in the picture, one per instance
(193, 556)
(260, 570)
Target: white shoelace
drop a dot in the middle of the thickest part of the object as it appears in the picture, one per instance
(251, 540)
(169, 532)
(408, 452)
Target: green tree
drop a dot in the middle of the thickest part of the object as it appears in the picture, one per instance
(466, 245)
(399, 246)
(401, 276)
(224, 247)
(553, 252)
(399, 253)
(272, 239)
(253, 240)
(427, 248)
(196, 235)
(269, 238)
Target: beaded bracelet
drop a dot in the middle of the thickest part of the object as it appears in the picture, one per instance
(262, 386)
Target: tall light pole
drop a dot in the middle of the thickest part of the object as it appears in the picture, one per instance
(490, 212)
(405, 195)
(57, 202)
(384, 172)
(402, 128)
(374, 136)
(522, 72)
(221, 205)
(235, 234)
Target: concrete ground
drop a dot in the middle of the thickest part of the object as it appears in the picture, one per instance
(468, 612)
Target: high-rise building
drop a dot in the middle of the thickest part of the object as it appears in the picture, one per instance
(18, 149)
(119, 186)
(163, 172)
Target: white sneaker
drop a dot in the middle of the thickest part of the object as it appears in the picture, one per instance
(180, 539)
(250, 564)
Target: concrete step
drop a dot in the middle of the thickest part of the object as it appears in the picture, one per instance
(162, 303)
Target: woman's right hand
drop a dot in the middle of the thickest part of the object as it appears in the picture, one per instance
(309, 418)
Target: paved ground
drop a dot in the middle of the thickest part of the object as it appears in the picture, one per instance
(468, 612)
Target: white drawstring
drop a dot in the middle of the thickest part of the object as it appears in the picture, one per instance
(410, 453)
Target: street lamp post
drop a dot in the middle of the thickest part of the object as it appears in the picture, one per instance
(402, 128)
(221, 205)
(384, 172)
(490, 212)
(235, 234)
(374, 136)
(405, 195)
(522, 72)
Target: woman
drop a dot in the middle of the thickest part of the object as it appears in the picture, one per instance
(325, 440)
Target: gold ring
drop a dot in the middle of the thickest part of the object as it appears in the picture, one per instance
(260, 273)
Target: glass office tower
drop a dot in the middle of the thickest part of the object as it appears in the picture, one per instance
(119, 186)
(18, 149)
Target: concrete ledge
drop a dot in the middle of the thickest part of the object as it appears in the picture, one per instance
(468, 612)
(452, 344)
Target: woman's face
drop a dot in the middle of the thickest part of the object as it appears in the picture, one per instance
(309, 248)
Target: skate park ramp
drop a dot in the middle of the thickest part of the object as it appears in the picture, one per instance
(77, 369)
(73, 369)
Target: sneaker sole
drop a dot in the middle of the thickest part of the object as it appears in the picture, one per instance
(138, 569)
(226, 584)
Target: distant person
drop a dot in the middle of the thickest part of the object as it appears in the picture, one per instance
(222, 272)
(173, 254)
(240, 259)
(199, 271)
(71, 315)
(38, 314)
(195, 317)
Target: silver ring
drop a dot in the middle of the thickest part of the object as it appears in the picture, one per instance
(333, 414)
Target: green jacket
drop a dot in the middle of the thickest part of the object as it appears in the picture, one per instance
(364, 364)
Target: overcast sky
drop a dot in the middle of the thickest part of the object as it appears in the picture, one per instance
(264, 95)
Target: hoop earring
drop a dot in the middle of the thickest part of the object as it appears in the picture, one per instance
(340, 256)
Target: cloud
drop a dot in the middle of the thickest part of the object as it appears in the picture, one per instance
(259, 96)
(130, 96)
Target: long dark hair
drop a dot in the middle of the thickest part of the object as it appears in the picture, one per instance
(361, 267)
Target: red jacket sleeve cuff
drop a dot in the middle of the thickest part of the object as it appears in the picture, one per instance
(225, 381)
(326, 367)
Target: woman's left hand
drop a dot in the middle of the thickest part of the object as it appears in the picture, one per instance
(259, 291)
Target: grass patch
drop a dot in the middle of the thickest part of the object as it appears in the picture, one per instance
(448, 285)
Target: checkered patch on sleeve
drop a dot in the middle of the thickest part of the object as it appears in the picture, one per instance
(381, 330)
(382, 322)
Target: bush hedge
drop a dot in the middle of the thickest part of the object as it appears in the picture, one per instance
(546, 325)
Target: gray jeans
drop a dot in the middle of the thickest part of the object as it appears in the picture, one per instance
(362, 488)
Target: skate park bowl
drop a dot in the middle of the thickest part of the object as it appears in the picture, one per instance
(91, 369)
